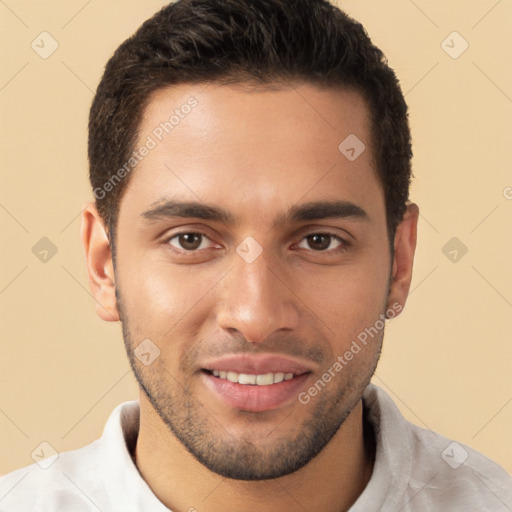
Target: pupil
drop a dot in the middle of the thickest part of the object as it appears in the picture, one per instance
(321, 241)
(190, 241)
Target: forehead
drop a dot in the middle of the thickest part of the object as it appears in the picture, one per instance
(255, 149)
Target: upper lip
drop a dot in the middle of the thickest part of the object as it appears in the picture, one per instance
(257, 364)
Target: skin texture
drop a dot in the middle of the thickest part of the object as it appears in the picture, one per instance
(256, 154)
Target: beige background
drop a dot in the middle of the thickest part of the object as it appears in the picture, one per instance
(447, 361)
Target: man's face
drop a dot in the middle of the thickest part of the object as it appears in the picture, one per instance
(193, 283)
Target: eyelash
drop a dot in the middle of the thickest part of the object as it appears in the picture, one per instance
(345, 245)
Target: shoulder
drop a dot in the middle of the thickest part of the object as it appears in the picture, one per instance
(63, 485)
(75, 480)
(421, 470)
(452, 473)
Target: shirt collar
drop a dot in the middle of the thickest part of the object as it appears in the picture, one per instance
(124, 484)
(393, 457)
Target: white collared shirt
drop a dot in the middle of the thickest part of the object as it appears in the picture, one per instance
(415, 470)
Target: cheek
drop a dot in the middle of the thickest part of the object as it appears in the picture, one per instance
(163, 299)
(348, 298)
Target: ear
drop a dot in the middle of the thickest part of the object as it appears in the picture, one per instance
(100, 268)
(405, 246)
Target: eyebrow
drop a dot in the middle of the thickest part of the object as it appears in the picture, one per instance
(170, 209)
(324, 210)
(316, 210)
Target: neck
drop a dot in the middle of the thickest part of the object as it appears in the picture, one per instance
(340, 472)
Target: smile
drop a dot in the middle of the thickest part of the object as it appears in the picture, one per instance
(264, 379)
(256, 382)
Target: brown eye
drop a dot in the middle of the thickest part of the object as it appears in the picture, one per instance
(321, 241)
(188, 241)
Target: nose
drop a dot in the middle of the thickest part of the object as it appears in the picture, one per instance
(257, 300)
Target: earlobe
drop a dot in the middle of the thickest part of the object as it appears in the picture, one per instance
(405, 246)
(100, 268)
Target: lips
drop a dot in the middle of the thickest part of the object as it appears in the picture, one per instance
(256, 382)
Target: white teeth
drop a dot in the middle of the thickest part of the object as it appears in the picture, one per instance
(232, 376)
(265, 379)
(244, 378)
(278, 377)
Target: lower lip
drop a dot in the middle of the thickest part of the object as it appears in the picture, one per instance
(255, 398)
